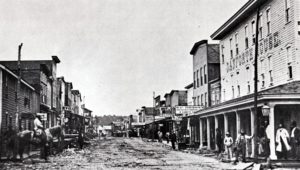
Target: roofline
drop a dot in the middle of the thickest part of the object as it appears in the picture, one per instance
(217, 35)
(13, 74)
(189, 86)
(196, 45)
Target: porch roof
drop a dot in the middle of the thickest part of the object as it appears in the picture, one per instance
(287, 91)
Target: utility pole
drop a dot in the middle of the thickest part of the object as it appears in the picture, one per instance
(255, 86)
(18, 88)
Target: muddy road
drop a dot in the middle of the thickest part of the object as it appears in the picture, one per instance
(120, 153)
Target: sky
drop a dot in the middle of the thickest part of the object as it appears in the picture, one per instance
(116, 52)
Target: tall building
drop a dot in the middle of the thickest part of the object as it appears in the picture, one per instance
(278, 72)
(206, 68)
(41, 74)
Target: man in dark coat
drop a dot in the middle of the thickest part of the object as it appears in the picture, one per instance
(295, 140)
(219, 140)
(173, 139)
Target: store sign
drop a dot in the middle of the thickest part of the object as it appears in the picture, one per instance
(264, 45)
(186, 110)
(43, 116)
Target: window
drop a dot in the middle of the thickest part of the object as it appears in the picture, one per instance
(201, 79)
(246, 37)
(249, 88)
(205, 99)
(222, 54)
(197, 78)
(260, 26)
(236, 44)
(270, 65)
(201, 99)
(268, 15)
(289, 62)
(239, 91)
(231, 52)
(287, 10)
(262, 69)
(205, 77)
(198, 102)
(290, 68)
(262, 80)
(253, 30)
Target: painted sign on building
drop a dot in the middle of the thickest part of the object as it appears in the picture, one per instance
(186, 110)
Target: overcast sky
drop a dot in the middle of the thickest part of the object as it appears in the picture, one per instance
(116, 52)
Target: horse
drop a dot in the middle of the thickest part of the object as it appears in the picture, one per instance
(55, 132)
(26, 137)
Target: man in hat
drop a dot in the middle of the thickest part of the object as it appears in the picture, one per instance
(228, 141)
(295, 140)
(38, 126)
(241, 142)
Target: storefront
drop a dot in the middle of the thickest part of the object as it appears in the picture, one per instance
(281, 103)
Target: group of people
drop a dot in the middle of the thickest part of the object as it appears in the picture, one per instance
(286, 144)
(240, 147)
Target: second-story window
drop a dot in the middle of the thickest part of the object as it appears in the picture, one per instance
(195, 77)
(287, 10)
(230, 45)
(232, 92)
(222, 54)
(246, 37)
(268, 15)
(262, 68)
(289, 62)
(249, 88)
(236, 44)
(270, 67)
(205, 76)
(253, 31)
(201, 77)
(260, 26)
(205, 99)
(201, 99)
(238, 91)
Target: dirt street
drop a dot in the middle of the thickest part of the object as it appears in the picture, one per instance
(121, 153)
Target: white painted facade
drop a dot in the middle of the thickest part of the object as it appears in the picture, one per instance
(278, 60)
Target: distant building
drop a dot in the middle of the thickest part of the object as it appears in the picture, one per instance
(190, 95)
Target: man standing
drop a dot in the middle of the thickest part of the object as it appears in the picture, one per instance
(219, 140)
(266, 144)
(241, 142)
(282, 141)
(173, 139)
(228, 141)
(295, 140)
(38, 126)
